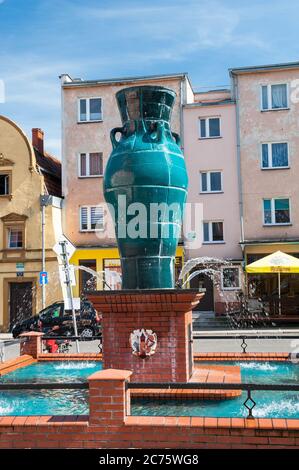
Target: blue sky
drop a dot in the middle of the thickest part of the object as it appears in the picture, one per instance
(40, 39)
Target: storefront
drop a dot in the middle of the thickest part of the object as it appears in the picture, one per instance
(265, 286)
(106, 263)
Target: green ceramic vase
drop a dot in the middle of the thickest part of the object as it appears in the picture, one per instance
(146, 183)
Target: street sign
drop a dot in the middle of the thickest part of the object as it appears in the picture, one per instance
(76, 303)
(20, 267)
(62, 275)
(43, 278)
(70, 248)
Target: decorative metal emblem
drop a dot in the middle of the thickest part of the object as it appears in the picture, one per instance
(143, 342)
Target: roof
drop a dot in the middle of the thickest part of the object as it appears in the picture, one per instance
(263, 68)
(105, 81)
(272, 241)
(215, 90)
(209, 103)
(50, 168)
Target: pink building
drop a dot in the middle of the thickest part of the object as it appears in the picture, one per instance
(210, 152)
(267, 132)
(89, 112)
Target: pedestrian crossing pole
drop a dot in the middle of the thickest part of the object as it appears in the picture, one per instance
(68, 284)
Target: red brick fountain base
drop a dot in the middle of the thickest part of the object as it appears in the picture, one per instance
(168, 313)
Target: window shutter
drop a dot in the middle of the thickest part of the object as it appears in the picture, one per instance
(96, 217)
(84, 218)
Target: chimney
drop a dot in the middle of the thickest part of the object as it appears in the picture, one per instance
(38, 139)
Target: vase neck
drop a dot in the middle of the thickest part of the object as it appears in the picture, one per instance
(144, 125)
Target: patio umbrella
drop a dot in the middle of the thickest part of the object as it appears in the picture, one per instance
(277, 262)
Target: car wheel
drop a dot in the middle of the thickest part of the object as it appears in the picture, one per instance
(86, 332)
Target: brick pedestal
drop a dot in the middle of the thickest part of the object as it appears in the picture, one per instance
(167, 312)
(32, 343)
(109, 402)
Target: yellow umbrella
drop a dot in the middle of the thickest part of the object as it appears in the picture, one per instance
(277, 262)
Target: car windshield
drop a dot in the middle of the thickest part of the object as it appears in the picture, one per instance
(53, 311)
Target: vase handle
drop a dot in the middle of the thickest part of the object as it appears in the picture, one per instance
(112, 136)
(176, 138)
(159, 133)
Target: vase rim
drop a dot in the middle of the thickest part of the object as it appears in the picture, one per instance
(146, 87)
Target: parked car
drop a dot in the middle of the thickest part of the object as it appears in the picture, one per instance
(88, 321)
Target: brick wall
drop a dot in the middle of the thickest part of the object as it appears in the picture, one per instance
(108, 426)
(31, 344)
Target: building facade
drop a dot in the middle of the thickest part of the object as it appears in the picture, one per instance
(267, 132)
(27, 173)
(89, 112)
(210, 153)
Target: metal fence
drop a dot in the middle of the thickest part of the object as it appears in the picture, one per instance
(244, 338)
(249, 402)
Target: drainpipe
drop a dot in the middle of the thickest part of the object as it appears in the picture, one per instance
(45, 200)
(239, 172)
(240, 185)
(43, 257)
(181, 114)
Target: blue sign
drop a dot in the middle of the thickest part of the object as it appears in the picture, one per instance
(43, 278)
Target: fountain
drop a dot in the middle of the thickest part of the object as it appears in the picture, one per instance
(147, 326)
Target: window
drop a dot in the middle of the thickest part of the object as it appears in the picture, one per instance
(276, 211)
(90, 164)
(213, 232)
(230, 278)
(209, 127)
(275, 155)
(90, 109)
(211, 181)
(15, 238)
(4, 184)
(274, 96)
(91, 218)
(14, 230)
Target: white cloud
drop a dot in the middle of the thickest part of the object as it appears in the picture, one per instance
(178, 29)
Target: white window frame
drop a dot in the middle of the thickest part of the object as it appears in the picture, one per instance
(88, 166)
(271, 167)
(274, 224)
(210, 241)
(16, 229)
(269, 96)
(89, 229)
(208, 173)
(87, 99)
(207, 118)
(222, 278)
